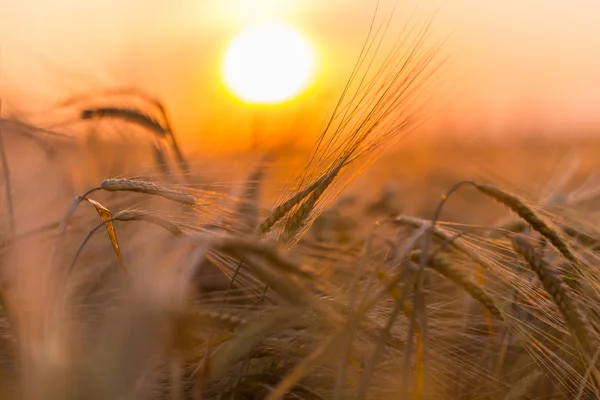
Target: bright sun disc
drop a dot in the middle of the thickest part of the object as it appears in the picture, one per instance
(268, 64)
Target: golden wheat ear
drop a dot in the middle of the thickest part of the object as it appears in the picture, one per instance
(128, 115)
(528, 215)
(559, 292)
(150, 188)
(449, 271)
(163, 131)
(531, 217)
(137, 215)
(319, 186)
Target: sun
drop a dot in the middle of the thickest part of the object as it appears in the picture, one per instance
(268, 64)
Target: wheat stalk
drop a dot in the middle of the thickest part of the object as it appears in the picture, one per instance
(7, 182)
(247, 211)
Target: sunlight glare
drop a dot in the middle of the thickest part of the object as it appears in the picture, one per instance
(268, 64)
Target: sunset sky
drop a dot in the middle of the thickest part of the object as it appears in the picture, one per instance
(512, 64)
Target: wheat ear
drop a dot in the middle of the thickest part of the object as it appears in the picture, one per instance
(446, 269)
(145, 187)
(529, 215)
(280, 211)
(298, 219)
(126, 114)
(558, 291)
(144, 120)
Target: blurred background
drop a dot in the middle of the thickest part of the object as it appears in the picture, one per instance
(514, 67)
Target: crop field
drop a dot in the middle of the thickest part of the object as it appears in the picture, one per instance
(371, 263)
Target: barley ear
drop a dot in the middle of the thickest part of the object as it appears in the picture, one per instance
(446, 269)
(126, 114)
(558, 291)
(298, 219)
(150, 188)
(529, 215)
(283, 209)
(136, 215)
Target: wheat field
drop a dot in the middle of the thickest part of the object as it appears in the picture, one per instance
(132, 269)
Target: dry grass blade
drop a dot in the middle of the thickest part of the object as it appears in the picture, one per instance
(150, 188)
(241, 345)
(559, 292)
(107, 217)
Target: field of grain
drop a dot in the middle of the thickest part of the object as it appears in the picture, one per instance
(374, 263)
(131, 269)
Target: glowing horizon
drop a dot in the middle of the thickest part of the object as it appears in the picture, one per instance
(528, 63)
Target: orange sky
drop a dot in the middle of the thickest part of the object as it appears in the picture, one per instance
(527, 62)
